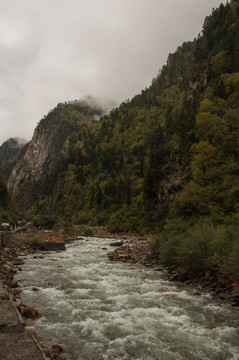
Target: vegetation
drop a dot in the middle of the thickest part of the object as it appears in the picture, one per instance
(10, 150)
(44, 221)
(167, 161)
(7, 211)
(35, 242)
(200, 249)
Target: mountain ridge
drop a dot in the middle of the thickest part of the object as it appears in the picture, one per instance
(166, 161)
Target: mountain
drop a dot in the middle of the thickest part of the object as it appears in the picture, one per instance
(166, 161)
(171, 149)
(8, 154)
(48, 149)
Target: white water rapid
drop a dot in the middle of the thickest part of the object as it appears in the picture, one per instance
(107, 310)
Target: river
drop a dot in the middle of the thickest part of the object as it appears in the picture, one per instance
(107, 310)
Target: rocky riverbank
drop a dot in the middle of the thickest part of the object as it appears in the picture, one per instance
(137, 250)
(17, 246)
(134, 249)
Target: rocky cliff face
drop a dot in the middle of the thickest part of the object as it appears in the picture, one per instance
(9, 152)
(48, 147)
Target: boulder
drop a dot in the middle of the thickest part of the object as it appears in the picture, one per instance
(32, 330)
(35, 289)
(29, 312)
(117, 243)
(16, 291)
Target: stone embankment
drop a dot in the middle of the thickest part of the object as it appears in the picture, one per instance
(17, 341)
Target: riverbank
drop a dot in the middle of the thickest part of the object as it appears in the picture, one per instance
(114, 310)
(135, 249)
(138, 251)
(21, 338)
(15, 336)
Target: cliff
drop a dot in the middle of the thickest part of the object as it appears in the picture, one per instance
(47, 149)
(9, 152)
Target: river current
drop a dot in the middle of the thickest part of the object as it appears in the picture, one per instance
(107, 310)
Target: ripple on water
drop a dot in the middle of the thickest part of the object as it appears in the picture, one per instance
(107, 311)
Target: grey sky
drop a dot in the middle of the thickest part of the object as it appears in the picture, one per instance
(58, 50)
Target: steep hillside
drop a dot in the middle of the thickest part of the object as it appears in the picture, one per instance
(7, 210)
(8, 154)
(48, 148)
(168, 160)
(170, 151)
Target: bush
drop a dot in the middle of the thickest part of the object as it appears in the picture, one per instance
(86, 231)
(198, 245)
(166, 245)
(44, 221)
(36, 243)
(233, 252)
(200, 248)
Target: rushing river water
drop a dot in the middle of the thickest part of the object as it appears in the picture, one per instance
(115, 311)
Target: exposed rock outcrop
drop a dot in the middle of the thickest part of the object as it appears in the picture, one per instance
(10, 150)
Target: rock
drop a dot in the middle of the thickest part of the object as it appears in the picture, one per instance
(43, 347)
(162, 289)
(16, 303)
(32, 330)
(225, 296)
(14, 284)
(35, 288)
(16, 291)
(29, 312)
(57, 349)
(182, 276)
(159, 269)
(117, 243)
(124, 257)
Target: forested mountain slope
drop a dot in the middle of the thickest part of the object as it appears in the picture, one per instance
(166, 160)
(47, 151)
(178, 137)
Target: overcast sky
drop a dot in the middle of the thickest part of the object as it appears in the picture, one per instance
(53, 51)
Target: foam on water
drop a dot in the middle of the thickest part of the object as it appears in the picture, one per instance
(108, 310)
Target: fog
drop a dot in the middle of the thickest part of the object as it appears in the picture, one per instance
(55, 51)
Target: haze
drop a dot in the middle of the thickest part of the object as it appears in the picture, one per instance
(58, 50)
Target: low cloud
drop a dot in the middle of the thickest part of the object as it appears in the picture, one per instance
(58, 50)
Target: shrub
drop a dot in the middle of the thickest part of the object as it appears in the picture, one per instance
(86, 231)
(200, 248)
(197, 247)
(35, 243)
(44, 221)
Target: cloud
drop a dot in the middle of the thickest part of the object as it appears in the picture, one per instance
(55, 51)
